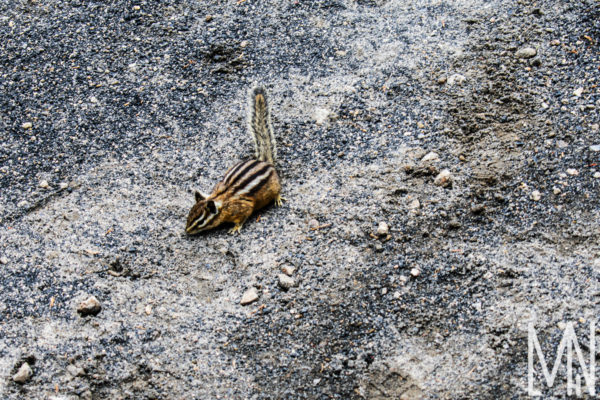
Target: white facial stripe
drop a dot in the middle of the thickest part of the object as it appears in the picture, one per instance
(208, 219)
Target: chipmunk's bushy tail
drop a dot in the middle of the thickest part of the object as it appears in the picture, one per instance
(259, 125)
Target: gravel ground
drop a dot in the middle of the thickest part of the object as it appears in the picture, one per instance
(405, 283)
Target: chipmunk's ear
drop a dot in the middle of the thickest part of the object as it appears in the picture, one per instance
(211, 206)
(199, 196)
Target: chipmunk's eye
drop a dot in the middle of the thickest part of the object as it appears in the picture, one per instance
(210, 205)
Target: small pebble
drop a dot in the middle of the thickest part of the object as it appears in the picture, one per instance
(454, 224)
(3, 260)
(27, 125)
(91, 306)
(556, 191)
(536, 195)
(578, 92)
(244, 44)
(456, 79)
(249, 296)
(208, 18)
(288, 270)
(595, 147)
(321, 115)
(572, 172)
(383, 229)
(555, 42)
(527, 52)
(597, 175)
(415, 204)
(403, 278)
(44, 184)
(74, 370)
(442, 79)
(23, 374)
(378, 247)
(430, 157)
(443, 179)
(477, 209)
(415, 272)
(313, 224)
(285, 282)
(63, 185)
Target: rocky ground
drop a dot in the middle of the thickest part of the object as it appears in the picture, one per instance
(440, 161)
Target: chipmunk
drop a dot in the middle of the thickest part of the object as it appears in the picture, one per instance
(248, 185)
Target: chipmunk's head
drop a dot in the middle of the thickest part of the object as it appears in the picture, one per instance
(203, 216)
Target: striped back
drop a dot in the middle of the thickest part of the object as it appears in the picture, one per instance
(246, 178)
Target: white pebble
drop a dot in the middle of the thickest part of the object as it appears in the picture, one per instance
(91, 306)
(288, 270)
(27, 125)
(556, 190)
(415, 272)
(383, 229)
(23, 374)
(430, 157)
(249, 296)
(572, 172)
(443, 179)
(321, 115)
(527, 52)
(286, 282)
(415, 204)
(3, 260)
(578, 92)
(536, 195)
(597, 175)
(63, 185)
(456, 79)
(44, 184)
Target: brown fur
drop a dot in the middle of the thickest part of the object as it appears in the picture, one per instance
(234, 208)
(252, 184)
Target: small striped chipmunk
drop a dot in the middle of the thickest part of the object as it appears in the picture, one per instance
(248, 185)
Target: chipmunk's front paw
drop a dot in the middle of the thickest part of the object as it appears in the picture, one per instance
(279, 201)
(236, 229)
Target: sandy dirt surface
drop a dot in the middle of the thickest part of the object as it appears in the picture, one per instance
(440, 162)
